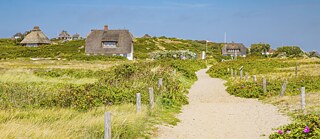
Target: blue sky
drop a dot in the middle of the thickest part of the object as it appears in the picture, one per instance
(278, 22)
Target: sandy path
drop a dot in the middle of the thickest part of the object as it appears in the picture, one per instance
(214, 114)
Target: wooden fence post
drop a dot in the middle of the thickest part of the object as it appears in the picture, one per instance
(303, 98)
(241, 72)
(107, 125)
(138, 102)
(264, 85)
(284, 87)
(255, 78)
(160, 82)
(151, 97)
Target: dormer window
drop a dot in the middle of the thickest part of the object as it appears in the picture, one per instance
(233, 50)
(109, 44)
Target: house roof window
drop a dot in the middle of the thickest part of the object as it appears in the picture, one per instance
(109, 44)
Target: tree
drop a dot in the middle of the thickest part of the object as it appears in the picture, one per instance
(259, 48)
(290, 50)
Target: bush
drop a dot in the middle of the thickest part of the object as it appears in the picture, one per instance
(291, 51)
(305, 126)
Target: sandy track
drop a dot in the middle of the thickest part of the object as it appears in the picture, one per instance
(214, 114)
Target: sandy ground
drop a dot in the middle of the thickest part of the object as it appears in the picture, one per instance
(214, 114)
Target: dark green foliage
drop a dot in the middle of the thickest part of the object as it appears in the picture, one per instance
(258, 49)
(292, 51)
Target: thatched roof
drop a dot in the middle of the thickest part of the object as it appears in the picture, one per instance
(234, 46)
(36, 36)
(123, 38)
(146, 36)
(64, 34)
(76, 35)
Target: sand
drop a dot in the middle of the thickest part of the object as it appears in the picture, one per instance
(214, 114)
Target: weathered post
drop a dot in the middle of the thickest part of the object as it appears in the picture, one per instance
(235, 73)
(203, 55)
(296, 70)
(264, 85)
(138, 102)
(255, 78)
(160, 82)
(284, 87)
(241, 72)
(107, 125)
(151, 97)
(303, 98)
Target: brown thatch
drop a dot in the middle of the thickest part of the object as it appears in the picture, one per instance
(234, 48)
(122, 38)
(35, 37)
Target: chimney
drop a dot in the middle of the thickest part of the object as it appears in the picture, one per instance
(36, 28)
(106, 28)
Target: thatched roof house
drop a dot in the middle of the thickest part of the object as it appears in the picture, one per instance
(146, 36)
(110, 42)
(64, 35)
(17, 36)
(234, 49)
(76, 37)
(270, 52)
(35, 37)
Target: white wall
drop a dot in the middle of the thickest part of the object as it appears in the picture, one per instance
(130, 55)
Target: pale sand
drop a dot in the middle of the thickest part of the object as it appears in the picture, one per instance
(214, 114)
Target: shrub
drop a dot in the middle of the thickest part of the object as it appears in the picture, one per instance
(305, 126)
(292, 51)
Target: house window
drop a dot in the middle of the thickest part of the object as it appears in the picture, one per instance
(233, 50)
(109, 44)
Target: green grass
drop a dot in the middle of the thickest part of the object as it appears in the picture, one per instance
(38, 101)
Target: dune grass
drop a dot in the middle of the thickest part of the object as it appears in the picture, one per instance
(68, 123)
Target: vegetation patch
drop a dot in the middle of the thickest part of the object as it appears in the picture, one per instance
(82, 105)
(276, 71)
